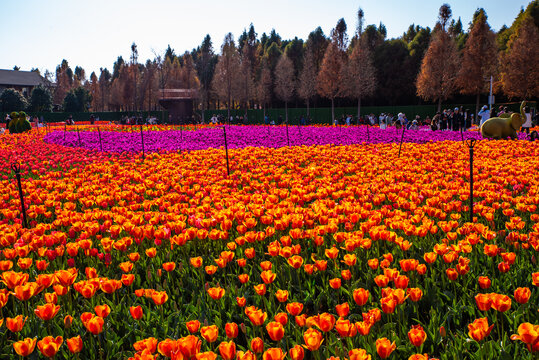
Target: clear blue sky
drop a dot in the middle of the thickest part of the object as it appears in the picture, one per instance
(92, 34)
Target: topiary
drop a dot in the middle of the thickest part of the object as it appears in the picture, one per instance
(19, 123)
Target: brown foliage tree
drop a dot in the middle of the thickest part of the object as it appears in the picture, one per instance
(329, 77)
(264, 85)
(359, 74)
(246, 82)
(520, 73)
(439, 68)
(225, 81)
(478, 60)
(285, 82)
(307, 77)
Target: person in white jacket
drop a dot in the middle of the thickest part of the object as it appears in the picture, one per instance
(484, 113)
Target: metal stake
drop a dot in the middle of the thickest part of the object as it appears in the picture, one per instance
(100, 142)
(17, 170)
(226, 152)
(142, 141)
(287, 138)
(471, 144)
(78, 133)
(402, 138)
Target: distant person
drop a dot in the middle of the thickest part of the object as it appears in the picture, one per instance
(92, 119)
(528, 123)
(484, 114)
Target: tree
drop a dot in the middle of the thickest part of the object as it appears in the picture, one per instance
(294, 51)
(478, 62)
(329, 76)
(437, 77)
(264, 85)
(134, 66)
(245, 79)
(318, 43)
(359, 75)
(77, 100)
(205, 62)
(285, 81)
(12, 100)
(225, 81)
(520, 73)
(104, 87)
(64, 81)
(41, 99)
(79, 77)
(307, 77)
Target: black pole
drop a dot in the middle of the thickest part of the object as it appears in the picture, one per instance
(226, 152)
(461, 135)
(368, 133)
(402, 138)
(471, 144)
(100, 142)
(78, 133)
(142, 141)
(65, 128)
(17, 170)
(287, 138)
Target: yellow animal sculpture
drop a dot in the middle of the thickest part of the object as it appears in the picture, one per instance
(504, 126)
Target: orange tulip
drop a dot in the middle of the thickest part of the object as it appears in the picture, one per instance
(66, 277)
(25, 347)
(342, 309)
(479, 329)
(102, 310)
(484, 282)
(452, 274)
(16, 324)
(381, 280)
(189, 347)
(260, 289)
(193, 326)
(244, 278)
(281, 295)
(297, 353)
(74, 344)
(231, 330)
(26, 291)
(483, 301)
(361, 296)
(326, 322)
(159, 297)
(417, 335)
(363, 327)
(274, 354)
(501, 303)
(522, 295)
(241, 301)
(345, 328)
(209, 333)
(49, 345)
(151, 252)
(384, 347)
(216, 293)
(12, 279)
(528, 334)
(257, 345)
(419, 357)
(94, 325)
(313, 339)
(388, 304)
(169, 266)
(359, 354)
(149, 344)
(196, 262)
(275, 330)
(136, 312)
(227, 350)
(256, 316)
(415, 294)
(268, 276)
(294, 308)
(47, 311)
(167, 347)
(68, 321)
(247, 355)
(335, 283)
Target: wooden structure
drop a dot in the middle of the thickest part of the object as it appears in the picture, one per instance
(178, 103)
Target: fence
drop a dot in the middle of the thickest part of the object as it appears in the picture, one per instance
(54, 117)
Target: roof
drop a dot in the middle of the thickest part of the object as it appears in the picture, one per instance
(20, 78)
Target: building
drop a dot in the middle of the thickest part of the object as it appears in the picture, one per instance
(23, 81)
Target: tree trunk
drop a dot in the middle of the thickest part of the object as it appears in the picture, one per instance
(308, 110)
(228, 111)
(332, 110)
(358, 108)
(439, 104)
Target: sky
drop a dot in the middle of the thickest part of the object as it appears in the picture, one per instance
(92, 34)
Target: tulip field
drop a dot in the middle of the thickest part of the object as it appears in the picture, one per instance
(321, 243)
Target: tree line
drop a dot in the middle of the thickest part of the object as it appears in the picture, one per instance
(432, 65)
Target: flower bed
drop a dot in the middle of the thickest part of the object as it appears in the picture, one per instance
(305, 252)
